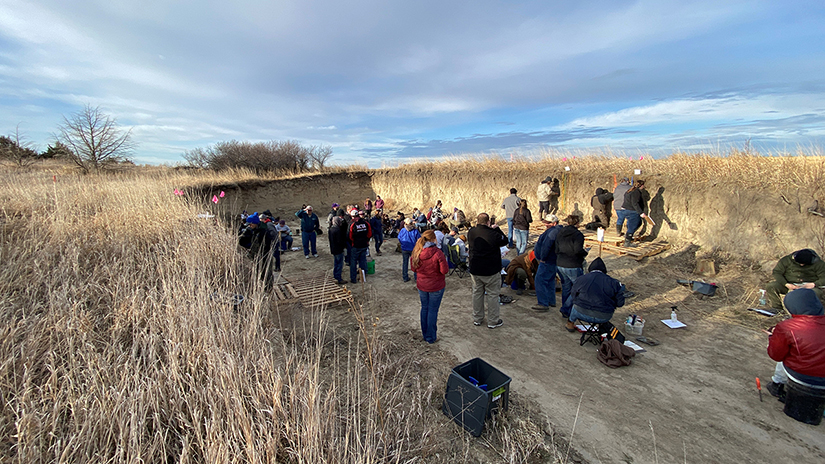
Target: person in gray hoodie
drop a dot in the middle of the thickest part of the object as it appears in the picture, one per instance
(618, 203)
(510, 205)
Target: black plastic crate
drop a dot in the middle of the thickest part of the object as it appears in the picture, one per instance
(474, 390)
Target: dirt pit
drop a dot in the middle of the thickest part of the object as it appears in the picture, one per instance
(690, 399)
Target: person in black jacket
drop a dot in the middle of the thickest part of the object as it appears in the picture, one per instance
(359, 238)
(377, 226)
(570, 255)
(595, 295)
(258, 239)
(602, 203)
(337, 247)
(635, 207)
(485, 244)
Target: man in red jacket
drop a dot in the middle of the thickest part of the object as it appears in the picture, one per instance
(798, 344)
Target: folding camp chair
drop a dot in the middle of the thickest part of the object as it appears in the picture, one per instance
(454, 261)
(592, 333)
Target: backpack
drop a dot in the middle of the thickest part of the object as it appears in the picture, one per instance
(613, 354)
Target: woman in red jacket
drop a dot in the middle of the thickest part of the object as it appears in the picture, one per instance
(429, 263)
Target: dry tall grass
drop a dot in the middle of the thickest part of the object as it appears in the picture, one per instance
(117, 343)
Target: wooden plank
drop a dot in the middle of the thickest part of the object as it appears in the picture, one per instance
(279, 293)
(291, 290)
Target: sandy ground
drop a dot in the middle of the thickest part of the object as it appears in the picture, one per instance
(690, 399)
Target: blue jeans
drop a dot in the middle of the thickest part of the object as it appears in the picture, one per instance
(568, 275)
(430, 302)
(379, 239)
(546, 284)
(633, 223)
(307, 239)
(575, 315)
(338, 266)
(286, 242)
(510, 233)
(405, 264)
(621, 214)
(521, 240)
(358, 257)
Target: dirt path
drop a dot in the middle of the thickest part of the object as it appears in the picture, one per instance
(694, 393)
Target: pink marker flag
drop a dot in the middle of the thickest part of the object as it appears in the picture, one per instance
(222, 194)
(564, 159)
(215, 199)
(641, 157)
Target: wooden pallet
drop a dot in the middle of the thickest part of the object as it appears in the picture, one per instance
(312, 291)
(640, 251)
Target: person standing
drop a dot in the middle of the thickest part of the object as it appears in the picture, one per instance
(359, 237)
(379, 203)
(309, 226)
(570, 255)
(337, 247)
(377, 226)
(332, 214)
(545, 250)
(510, 205)
(485, 243)
(555, 193)
(407, 237)
(430, 265)
(368, 207)
(602, 203)
(521, 222)
(634, 205)
(618, 203)
(257, 238)
(543, 196)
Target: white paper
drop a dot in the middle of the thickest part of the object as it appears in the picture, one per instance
(635, 347)
(600, 234)
(567, 168)
(637, 172)
(674, 324)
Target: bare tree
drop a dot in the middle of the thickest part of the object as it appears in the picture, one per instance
(273, 156)
(319, 155)
(16, 149)
(94, 139)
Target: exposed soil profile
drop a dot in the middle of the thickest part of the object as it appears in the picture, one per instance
(690, 399)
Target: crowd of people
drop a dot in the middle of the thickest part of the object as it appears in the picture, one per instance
(431, 243)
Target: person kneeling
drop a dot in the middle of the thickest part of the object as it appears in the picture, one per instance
(595, 296)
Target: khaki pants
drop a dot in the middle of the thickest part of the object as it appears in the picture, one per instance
(492, 285)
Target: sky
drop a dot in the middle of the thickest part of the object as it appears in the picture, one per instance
(388, 82)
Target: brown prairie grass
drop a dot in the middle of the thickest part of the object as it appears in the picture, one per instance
(116, 344)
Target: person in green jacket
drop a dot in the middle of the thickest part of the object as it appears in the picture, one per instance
(800, 269)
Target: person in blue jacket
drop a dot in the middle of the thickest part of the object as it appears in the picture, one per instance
(407, 237)
(595, 296)
(309, 226)
(545, 251)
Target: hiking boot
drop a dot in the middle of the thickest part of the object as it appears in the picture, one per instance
(629, 244)
(540, 308)
(776, 389)
(619, 230)
(499, 323)
(570, 326)
(341, 282)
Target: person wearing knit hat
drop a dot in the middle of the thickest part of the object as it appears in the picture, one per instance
(310, 225)
(253, 218)
(800, 269)
(798, 346)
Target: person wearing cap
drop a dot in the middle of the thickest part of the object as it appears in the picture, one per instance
(543, 196)
(800, 269)
(510, 205)
(798, 344)
(332, 214)
(337, 247)
(359, 238)
(618, 203)
(407, 237)
(258, 239)
(595, 296)
(485, 270)
(309, 227)
(545, 250)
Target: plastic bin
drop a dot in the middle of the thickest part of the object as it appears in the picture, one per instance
(370, 266)
(804, 404)
(474, 390)
(635, 329)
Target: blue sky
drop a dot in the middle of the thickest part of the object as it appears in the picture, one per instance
(385, 82)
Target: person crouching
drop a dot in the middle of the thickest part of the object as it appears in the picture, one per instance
(595, 296)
